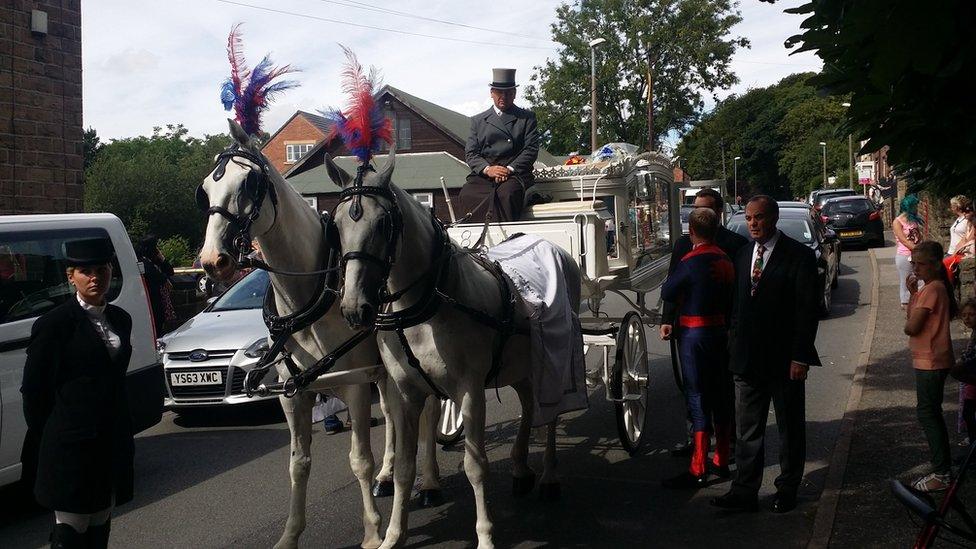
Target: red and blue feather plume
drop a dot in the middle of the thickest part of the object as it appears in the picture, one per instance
(362, 126)
(249, 92)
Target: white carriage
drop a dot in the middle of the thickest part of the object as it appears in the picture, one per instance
(617, 219)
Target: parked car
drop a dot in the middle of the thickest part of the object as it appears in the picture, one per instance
(856, 219)
(32, 282)
(684, 212)
(824, 195)
(799, 225)
(205, 360)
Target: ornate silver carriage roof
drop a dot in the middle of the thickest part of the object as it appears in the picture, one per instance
(658, 164)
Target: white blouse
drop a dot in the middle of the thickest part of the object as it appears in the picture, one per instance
(957, 233)
(96, 314)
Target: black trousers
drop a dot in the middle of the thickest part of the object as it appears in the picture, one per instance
(752, 398)
(506, 205)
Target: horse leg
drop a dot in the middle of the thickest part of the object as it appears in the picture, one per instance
(430, 482)
(298, 412)
(523, 477)
(406, 417)
(476, 459)
(383, 487)
(549, 483)
(357, 398)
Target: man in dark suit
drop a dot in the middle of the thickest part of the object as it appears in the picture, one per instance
(771, 345)
(729, 242)
(500, 151)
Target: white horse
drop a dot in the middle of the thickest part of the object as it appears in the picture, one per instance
(291, 238)
(393, 248)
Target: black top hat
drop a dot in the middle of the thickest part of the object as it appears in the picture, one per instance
(89, 251)
(503, 79)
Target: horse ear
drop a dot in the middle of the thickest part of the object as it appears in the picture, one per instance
(337, 174)
(383, 178)
(238, 133)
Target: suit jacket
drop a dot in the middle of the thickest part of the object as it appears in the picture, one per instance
(77, 414)
(507, 140)
(729, 241)
(779, 324)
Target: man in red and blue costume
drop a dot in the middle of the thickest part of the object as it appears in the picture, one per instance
(702, 286)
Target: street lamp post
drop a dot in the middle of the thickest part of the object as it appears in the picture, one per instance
(735, 180)
(593, 44)
(850, 153)
(823, 146)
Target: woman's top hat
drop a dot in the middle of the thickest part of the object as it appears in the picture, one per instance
(503, 79)
(89, 251)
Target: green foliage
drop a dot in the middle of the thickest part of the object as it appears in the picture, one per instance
(149, 182)
(92, 146)
(688, 40)
(177, 251)
(776, 131)
(907, 67)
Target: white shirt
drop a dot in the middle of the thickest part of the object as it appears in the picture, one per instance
(96, 314)
(957, 233)
(497, 110)
(769, 245)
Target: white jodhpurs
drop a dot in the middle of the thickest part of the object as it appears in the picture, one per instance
(81, 521)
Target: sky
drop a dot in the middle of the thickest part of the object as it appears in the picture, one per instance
(151, 64)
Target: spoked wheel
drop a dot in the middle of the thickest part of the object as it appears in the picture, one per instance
(450, 429)
(629, 380)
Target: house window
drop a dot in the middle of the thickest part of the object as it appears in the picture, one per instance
(312, 201)
(295, 151)
(402, 134)
(426, 199)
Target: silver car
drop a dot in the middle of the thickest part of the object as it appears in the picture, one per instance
(206, 359)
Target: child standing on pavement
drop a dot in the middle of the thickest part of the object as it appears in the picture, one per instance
(930, 310)
(965, 369)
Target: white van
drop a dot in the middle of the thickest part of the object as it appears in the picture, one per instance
(32, 282)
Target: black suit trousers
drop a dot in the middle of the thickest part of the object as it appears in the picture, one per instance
(502, 201)
(752, 398)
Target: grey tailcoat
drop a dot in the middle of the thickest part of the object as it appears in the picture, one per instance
(507, 140)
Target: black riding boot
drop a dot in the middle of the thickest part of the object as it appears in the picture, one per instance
(65, 537)
(98, 535)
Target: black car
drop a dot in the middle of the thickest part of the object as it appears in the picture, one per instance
(798, 224)
(855, 219)
(818, 198)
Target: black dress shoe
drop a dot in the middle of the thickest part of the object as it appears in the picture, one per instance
(684, 481)
(735, 502)
(722, 472)
(784, 503)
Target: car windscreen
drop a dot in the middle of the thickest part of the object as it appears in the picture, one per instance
(685, 213)
(797, 229)
(825, 196)
(847, 206)
(246, 294)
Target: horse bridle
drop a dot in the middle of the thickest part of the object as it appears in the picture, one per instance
(255, 187)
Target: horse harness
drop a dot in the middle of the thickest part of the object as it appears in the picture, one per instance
(432, 281)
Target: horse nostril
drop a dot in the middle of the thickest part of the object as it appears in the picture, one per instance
(366, 313)
(223, 261)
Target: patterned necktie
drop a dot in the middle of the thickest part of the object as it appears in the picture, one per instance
(757, 267)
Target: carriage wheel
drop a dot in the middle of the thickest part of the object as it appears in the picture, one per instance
(629, 380)
(450, 429)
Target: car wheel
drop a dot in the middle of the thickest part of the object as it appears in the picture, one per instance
(834, 283)
(203, 285)
(825, 298)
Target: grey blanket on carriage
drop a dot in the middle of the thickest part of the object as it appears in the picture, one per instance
(535, 266)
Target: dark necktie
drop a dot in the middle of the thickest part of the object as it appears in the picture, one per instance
(757, 267)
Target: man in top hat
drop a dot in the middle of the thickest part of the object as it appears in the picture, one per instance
(501, 151)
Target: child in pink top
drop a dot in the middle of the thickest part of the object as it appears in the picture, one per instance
(930, 310)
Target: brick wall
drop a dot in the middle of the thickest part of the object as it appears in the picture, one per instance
(425, 137)
(297, 130)
(41, 143)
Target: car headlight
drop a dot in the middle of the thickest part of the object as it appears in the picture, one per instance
(257, 349)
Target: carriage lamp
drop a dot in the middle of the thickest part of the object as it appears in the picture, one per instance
(257, 349)
(38, 23)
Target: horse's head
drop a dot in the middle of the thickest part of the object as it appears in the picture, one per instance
(239, 198)
(370, 222)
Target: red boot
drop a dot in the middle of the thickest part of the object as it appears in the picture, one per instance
(723, 443)
(696, 475)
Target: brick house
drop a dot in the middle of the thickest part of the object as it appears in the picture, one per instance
(41, 135)
(294, 139)
(429, 138)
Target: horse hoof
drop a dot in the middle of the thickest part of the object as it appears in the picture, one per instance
(431, 498)
(382, 488)
(549, 492)
(522, 485)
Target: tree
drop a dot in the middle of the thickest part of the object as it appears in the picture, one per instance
(149, 182)
(776, 131)
(689, 46)
(92, 146)
(907, 67)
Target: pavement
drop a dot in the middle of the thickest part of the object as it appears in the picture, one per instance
(219, 479)
(887, 441)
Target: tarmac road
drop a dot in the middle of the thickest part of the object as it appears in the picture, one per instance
(221, 479)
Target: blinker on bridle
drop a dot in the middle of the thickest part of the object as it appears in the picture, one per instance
(255, 187)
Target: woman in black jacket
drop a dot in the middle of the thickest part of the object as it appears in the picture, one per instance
(75, 402)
